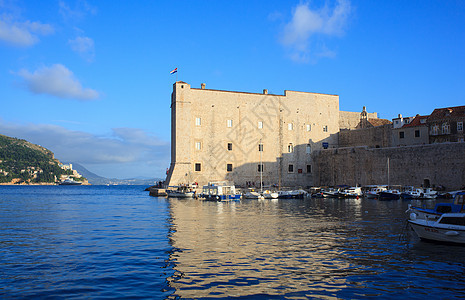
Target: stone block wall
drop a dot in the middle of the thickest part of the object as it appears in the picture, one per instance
(440, 164)
(372, 137)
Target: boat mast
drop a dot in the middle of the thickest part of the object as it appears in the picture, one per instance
(260, 148)
(388, 171)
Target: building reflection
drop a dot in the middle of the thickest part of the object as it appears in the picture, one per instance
(257, 248)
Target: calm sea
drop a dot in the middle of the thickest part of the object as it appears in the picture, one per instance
(118, 242)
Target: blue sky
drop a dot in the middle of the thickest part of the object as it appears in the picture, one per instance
(90, 80)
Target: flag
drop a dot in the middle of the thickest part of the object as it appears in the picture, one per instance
(174, 71)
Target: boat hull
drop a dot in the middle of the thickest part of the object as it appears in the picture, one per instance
(445, 234)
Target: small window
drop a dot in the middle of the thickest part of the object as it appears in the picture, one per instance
(229, 123)
(290, 148)
(260, 168)
(198, 122)
(198, 167)
(260, 124)
(260, 147)
(309, 127)
(198, 145)
(401, 135)
(309, 168)
(417, 133)
(291, 168)
(229, 167)
(445, 128)
(309, 149)
(459, 126)
(229, 146)
(325, 128)
(290, 126)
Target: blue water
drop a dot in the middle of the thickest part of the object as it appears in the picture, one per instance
(118, 242)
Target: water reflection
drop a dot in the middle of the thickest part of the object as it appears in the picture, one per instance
(300, 248)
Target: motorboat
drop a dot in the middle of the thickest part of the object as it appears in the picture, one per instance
(450, 228)
(389, 194)
(252, 195)
(69, 181)
(182, 191)
(292, 194)
(329, 192)
(373, 192)
(351, 192)
(457, 206)
(419, 193)
(267, 194)
(219, 191)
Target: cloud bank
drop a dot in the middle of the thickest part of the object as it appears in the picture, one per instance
(124, 153)
(57, 81)
(307, 23)
(22, 34)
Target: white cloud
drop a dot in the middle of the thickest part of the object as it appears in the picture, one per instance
(80, 10)
(84, 46)
(113, 155)
(22, 34)
(306, 23)
(57, 81)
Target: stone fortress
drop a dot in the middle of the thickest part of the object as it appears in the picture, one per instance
(295, 139)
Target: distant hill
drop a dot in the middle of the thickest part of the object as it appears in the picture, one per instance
(99, 180)
(22, 162)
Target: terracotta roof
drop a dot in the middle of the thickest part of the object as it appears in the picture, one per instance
(417, 121)
(379, 122)
(447, 112)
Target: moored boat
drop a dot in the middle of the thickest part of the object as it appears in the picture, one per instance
(219, 191)
(180, 192)
(351, 192)
(458, 206)
(450, 228)
(69, 181)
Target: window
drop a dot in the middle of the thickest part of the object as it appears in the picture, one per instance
(291, 168)
(401, 134)
(229, 123)
(459, 126)
(198, 145)
(309, 149)
(229, 167)
(260, 124)
(309, 168)
(260, 168)
(229, 146)
(260, 147)
(445, 128)
(435, 130)
(198, 122)
(290, 126)
(417, 133)
(198, 167)
(290, 148)
(325, 128)
(309, 127)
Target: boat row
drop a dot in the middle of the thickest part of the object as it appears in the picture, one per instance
(222, 190)
(381, 192)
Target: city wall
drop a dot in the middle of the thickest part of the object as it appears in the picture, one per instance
(438, 164)
(376, 137)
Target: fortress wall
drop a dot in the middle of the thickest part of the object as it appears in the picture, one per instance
(376, 137)
(350, 120)
(441, 164)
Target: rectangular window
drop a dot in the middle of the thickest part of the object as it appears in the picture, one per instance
(435, 130)
(260, 168)
(198, 145)
(417, 133)
(229, 167)
(309, 127)
(229, 123)
(260, 124)
(291, 168)
(325, 128)
(198, 167)
(445, 128)
(260, 147)
(198, 122)
(229, 146)
(401, 134)
(309, 168)
(290, 126)
(459, 126)
(309, 149)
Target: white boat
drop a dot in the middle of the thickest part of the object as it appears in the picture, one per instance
(450, 228)
(219, 191)
(180, 192)
(351, 192)
(419, 193)
(270, 195)
(252, 195)
(458, 206)
(330, 192)
(70, 181)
